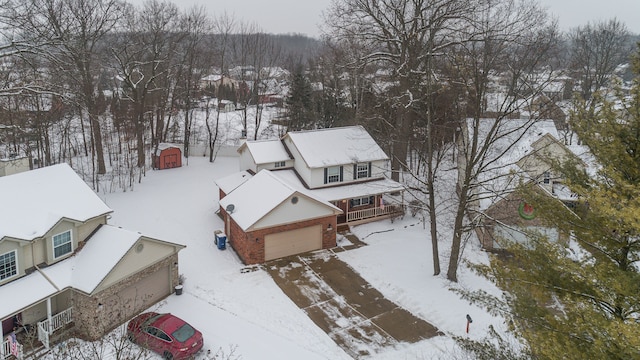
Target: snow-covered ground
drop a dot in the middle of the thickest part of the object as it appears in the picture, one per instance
(246, 312)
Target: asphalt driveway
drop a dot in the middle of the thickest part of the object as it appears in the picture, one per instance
(353, 313)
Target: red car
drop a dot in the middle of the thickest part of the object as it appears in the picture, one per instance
(166, 334)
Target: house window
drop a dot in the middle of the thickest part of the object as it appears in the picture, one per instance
(361, 201)
(332, 174)
(362, 171)
(547, 177)
(8, 265)
(62, 244)
(280, 164)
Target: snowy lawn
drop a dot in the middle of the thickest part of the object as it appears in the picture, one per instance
(247, 311)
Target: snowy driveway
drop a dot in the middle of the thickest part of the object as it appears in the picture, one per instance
(340, 302)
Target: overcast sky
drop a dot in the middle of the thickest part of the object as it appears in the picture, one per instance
(304, 16)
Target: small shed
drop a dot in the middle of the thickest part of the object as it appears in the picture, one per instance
(167, 156)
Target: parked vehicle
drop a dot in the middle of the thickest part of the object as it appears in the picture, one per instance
(165, 334)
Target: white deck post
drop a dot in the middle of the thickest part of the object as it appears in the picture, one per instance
(49, 315)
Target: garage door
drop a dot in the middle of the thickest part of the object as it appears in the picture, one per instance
(138, 296)
(292, 242)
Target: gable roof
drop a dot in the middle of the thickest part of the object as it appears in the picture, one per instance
(83, 271)
(35, 201)
(266, 151)
(230, 182)
(336, 146)
(258, 196)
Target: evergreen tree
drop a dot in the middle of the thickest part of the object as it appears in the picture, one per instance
(582, 298)
(299, 101)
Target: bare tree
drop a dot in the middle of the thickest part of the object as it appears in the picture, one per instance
(74, 28)
(223, 27)
(196, 27)
(143, 57)
(510, 41)
(596, 50)
(404, 37)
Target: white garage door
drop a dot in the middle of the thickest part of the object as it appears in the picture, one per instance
(292, 242)
(139, 296)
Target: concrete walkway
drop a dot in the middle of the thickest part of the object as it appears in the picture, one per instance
(354, 314)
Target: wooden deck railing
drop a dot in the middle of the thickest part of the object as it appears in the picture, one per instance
(373, 212)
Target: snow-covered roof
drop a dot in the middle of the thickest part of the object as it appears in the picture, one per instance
(266, 151)
(336, 146)
(84, 271)
(164, 146)
(34, 201)
(260, 195)
(376, 187)
(231, 182)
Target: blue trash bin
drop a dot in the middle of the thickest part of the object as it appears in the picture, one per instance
(221, 241)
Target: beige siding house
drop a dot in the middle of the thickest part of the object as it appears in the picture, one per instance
(62, 266)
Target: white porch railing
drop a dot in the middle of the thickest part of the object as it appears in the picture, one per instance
(372, 212)
(5, 351)
(59, 320)
(43, 335)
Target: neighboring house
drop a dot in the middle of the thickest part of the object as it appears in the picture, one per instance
(504, 215)
(342, 168)
(13, 165)
(167, 156)
(62, 266)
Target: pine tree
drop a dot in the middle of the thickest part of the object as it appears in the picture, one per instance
(582, 299)
(299, 102)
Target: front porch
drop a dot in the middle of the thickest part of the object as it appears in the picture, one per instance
(369, 208)
(28, 338)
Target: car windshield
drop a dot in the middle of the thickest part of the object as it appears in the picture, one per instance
(183, 333)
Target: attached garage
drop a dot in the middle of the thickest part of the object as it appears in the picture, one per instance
(266, 219)
(292, 242)
(140, 295)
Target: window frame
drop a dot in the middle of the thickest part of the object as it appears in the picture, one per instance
(362, 170)
(280, 164)
(331, 177)
(546, 177)
(54, 246)
(15, 265)
(360, 201)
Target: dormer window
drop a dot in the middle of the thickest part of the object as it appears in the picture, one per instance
(8, 265)
(62, 244)
(333, 174)
(280, 164)
(362, 171)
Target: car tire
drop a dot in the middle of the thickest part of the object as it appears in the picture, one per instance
(131, 337)
(167, 355)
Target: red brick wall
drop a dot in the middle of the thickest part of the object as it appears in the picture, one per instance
(252, 251)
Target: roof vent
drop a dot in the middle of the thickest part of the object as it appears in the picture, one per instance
(230, 208)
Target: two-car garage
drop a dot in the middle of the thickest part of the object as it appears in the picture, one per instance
(292, 242)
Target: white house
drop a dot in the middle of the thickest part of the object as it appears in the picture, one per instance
(342, 168)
